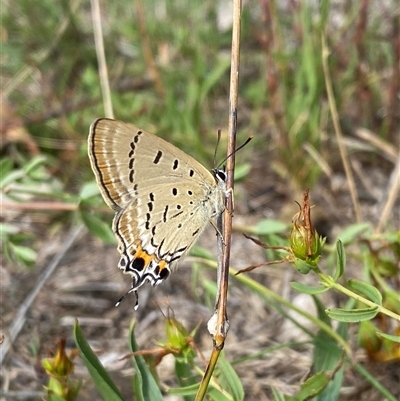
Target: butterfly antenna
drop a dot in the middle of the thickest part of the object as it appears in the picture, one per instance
(216, 147)
(236, 150)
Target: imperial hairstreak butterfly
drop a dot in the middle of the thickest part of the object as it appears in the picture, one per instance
(163, 198)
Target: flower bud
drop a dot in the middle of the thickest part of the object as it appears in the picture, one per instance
(305, 242)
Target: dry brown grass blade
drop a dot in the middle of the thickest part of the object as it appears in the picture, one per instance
(101, 59)
(146, 48)
(338, 132)
(392, 194)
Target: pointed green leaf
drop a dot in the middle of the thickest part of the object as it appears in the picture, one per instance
(89, 190)
(31, 167)
(367, 290)
(55, 397)
(265, 227)
(144, 383)
(278, 396)
(190, 390)
(7, 229)
(211, 79)
(390, 337)
(10, 177)
(312, 387)
(352, 232)
(308, 289)
(101, 379)
(242, 171)
(98, 227)
(6, 165)
(352, 316)
(328, 357)
(28, 255)
(302, 266)
(229, 377)
(341, 259)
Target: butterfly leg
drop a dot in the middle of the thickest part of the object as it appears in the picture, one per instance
(217, 231)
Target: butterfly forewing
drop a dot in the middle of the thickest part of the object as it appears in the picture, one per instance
(125, 158)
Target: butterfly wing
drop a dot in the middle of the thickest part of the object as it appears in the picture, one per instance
(163, 197)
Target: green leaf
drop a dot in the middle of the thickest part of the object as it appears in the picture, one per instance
(367, 290)
(7, 229)
(101, 379)
(6, 165)
(28, 255)
(266, 227)
(89, 190)
(31, 167)
(98, 227)
(145, 386)
(351, 232)
(302, 266)
(308, 289)
(229, 379)
(390, 337)
(278, 396)
(212, 78)
(55, 397)
(184, 391)
(328, 357)
(12, 176)
(341, 259)
(216, 395)
(352, 316)
(312, 387)
(242, 171)
(199, 251)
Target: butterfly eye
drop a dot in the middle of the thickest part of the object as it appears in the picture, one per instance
(220, 175)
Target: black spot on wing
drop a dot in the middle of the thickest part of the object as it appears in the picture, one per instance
(136, 138)
(165, 214)
(158, 157)
(138, 264)
(164, 273)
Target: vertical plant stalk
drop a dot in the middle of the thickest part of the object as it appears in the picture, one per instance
(101, 59)
(392, 194)
(146, 49)
(394, 85)
(338, 131)
(222, 320)
(218, 324)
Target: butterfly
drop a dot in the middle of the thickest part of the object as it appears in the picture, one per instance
(162, 197)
